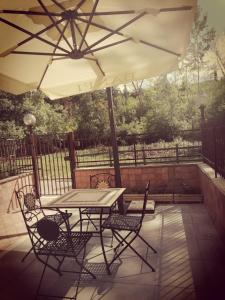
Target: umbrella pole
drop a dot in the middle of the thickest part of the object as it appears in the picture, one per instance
(114, 146)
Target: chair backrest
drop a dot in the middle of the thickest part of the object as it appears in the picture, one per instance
(48, 229)
(40, 229)
(102, 180)
(147, 188)
(30, 205)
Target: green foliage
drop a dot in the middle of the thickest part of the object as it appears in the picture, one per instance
(10, 129)
(91, 114)
(51, 117)
(216, 109)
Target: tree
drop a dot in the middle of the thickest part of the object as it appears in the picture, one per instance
(91, 114)
(201, 39)
(51, 117)
(216, 109)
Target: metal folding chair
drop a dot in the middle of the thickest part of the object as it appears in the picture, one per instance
(97, 181)
(102, 180)
(52, 242)
(132, 226)
(30, 203)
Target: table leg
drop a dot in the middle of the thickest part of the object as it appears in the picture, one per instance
(102, 244)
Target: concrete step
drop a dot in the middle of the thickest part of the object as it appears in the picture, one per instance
(162, 198)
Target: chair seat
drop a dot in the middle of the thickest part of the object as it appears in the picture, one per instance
(121, 222)
(96, 210)
(71, 247)
(58, 218)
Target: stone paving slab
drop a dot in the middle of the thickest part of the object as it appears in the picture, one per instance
(190, 263)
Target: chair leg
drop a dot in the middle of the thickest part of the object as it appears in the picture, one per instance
(153, 249)
(132, 248)
(121, 242)
(81, 268)
(27, 254)
(91, 221)
(42, 275)
(104, 254)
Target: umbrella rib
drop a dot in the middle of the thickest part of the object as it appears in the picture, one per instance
(88, 24)
(97, 63)
(46, 69)
(116, 30)
(100, 68)
(73, 34)
(160, 48)
(54, 22)
(90, 58)
(109, 45)
(79, 4)
(108, 13)
(181, 8)
(38, 53)
(126, 12)
(99, 26)
(96, 60)
(32, 34)
(28, 12)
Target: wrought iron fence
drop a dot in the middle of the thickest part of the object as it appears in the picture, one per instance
(48, 156)
(52, 158)
(213, 147)
(14, 157)
(138, 149)
(53, 163)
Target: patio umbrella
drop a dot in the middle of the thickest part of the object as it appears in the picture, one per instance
(67, 47)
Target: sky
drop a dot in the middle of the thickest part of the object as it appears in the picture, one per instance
(215, 10)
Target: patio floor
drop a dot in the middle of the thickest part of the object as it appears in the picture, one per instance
(190, 263)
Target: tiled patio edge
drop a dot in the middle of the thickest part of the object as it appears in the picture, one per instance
(213, 190)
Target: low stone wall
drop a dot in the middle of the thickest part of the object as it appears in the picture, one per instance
(11, 219)
(213, 190)
(176, 178)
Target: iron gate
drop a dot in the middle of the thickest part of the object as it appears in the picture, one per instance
(55, 163)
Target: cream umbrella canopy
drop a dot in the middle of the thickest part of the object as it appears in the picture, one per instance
(67, 47)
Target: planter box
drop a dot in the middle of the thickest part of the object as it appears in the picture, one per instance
(166, 198)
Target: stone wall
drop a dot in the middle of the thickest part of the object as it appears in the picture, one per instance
(213, 190)
(177, 178)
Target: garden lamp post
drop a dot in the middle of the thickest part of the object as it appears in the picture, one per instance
(30, 121)
(202, 111)
(202, 98)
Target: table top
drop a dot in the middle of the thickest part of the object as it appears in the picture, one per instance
(87, 198)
